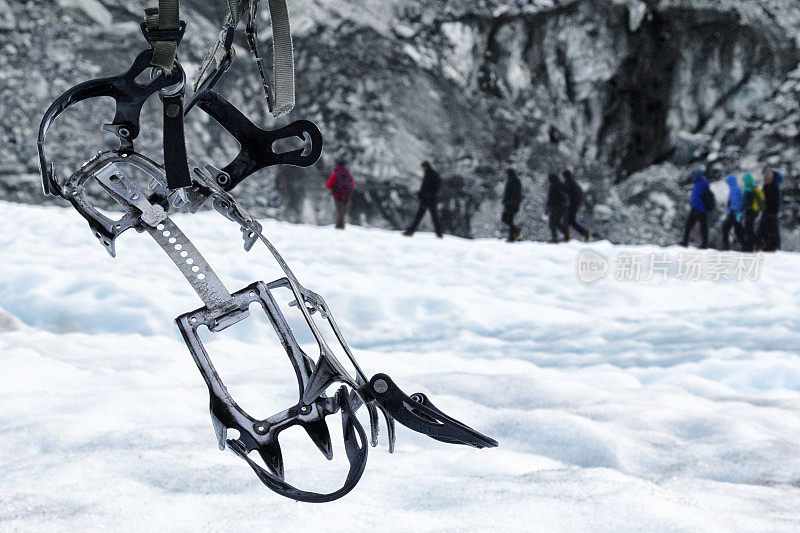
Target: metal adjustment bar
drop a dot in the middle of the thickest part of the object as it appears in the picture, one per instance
(192, 265)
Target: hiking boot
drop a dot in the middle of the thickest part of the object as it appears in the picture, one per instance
(408, 233)
(518, 234)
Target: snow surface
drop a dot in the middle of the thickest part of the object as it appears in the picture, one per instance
(657, 406)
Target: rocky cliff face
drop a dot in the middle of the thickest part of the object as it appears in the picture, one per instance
(630, 94)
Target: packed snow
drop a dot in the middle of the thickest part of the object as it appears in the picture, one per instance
(618, 405)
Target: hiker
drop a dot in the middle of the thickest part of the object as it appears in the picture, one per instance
(431, 183)
(753, 204)
(556, 207)
(735, 214)
(702, 202)
(769, 231)
(512, 198)
(574, 204)
(341, 184)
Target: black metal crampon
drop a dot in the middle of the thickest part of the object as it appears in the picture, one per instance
(149, 209)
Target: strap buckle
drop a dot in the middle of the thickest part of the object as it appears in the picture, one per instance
(155, 35)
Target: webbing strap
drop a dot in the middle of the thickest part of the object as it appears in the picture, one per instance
(237, 7)
(283, 99)
(283, 57)
(167, 18)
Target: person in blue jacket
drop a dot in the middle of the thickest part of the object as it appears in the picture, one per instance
(769, 232)
(702, 202)
(735, 214)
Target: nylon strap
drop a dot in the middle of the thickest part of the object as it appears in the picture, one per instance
(166, 18)
(283, 57)
(237, 8)
(176, 165)
(283, 99)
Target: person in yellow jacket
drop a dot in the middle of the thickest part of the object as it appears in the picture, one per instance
(752, 205)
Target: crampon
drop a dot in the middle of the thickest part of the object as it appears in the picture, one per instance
(174, 188)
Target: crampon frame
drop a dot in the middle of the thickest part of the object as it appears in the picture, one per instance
(173, 188)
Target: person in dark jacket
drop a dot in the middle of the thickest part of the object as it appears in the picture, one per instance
(769, 232)
(431, 183)
(735, 214)
(702, 202)
(574, 204)
(512, 199)
(557, 207)
(341, 184)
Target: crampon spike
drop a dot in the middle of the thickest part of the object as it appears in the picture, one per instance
(272, 456)
(321, 436)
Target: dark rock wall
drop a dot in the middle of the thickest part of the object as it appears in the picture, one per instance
(630, 94)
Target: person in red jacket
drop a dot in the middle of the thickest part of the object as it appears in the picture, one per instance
(341, 184)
